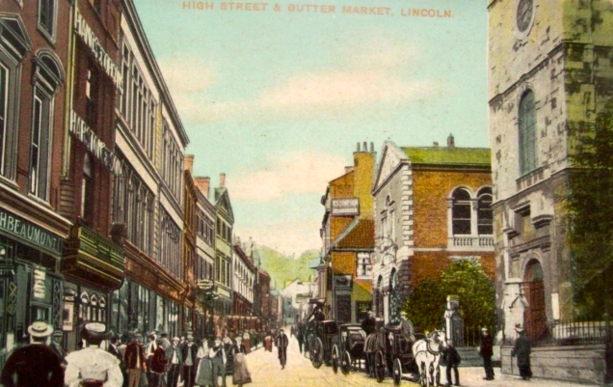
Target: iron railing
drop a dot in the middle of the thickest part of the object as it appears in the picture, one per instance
(566, 333)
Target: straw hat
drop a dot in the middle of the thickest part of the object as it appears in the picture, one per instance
(40, 328)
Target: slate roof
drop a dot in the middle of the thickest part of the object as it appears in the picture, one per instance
(448, 156)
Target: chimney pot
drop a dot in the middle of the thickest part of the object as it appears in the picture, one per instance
(203, 184)
(372, 147)
(222, 180)
(365, 146)
(358, 146)
(450, 141)
(188, 163)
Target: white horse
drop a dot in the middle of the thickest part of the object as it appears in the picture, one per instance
(427, 354)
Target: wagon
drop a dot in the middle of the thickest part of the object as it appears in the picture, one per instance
(321, 340)
(348, 352)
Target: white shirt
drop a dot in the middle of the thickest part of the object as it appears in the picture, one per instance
(92, 363)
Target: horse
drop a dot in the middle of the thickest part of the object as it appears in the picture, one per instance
(373, 343)
(427, 354)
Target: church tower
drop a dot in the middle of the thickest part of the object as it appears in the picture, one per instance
(550, 70)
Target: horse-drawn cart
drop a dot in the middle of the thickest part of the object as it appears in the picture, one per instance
(348, 353)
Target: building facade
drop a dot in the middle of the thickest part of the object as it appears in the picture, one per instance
(243, 282)
(204, 271)
(550, 72)
(223, 253)
(33, 228)
(344, 277)
(431, 205)
(148, 190)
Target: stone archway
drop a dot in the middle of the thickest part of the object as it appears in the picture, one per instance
(535, 314)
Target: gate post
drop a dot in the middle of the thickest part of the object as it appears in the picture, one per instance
(454, 325)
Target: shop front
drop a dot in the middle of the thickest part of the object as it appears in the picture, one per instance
(30, 284)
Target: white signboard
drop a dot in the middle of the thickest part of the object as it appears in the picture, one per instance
(346, 206)
(39, 283)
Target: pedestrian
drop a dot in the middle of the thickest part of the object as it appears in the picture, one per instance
(115, 350)
(522, 350)
(149, 351)
(452, 360)
(189, 352)
(175, 362)
(240, 373)
(92, 366)
(300, 335)
(369, 324)
(486, 350)
(281, 342)
(136, 361)
(57, 337)
(34, 365)
(268, 342)
(204, 372)
(158, 364)
(219, 359)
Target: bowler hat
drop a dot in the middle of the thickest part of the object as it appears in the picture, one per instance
(40, 328)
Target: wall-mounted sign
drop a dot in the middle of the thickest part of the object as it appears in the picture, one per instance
(38, 287)
(86, 33)
(96, 146)
(29, 233)
(345, 207)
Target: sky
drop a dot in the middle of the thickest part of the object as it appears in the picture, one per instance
(278, 97)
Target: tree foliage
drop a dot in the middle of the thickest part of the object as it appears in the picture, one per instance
(466, 279)
(590, 211)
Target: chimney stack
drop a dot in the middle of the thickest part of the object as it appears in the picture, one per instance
(203, 184)
(358, 146)
(188, 163)
(450, 141)
(372, 147)
(222, 180)
(435, 144)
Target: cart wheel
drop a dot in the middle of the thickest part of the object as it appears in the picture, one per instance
(397, 372)
(379, 366)
(335, 358)
(317, 353)
(346, 363)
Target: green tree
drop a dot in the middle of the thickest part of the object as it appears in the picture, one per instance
(466, 279)
(590, 212)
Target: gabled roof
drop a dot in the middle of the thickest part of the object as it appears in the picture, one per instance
(448, 156)
(222, 201)
(360, 234)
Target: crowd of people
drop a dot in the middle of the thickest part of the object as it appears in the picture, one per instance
(105, 359)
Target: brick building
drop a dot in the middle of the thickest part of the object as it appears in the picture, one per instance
(431, 205)
(549, 71)
(344, 276)
(33, 228)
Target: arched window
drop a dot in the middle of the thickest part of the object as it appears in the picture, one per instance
(527, 133)
(461, 212)
(484, 212)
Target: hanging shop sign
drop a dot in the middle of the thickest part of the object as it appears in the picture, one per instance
(38, 286)
(86, 33)
(29, 233)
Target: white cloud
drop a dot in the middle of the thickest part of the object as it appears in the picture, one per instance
(286, 237)
(291, 173)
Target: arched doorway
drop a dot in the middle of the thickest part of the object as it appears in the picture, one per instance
(535, 315)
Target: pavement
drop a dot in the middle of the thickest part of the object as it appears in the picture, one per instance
(299, 372)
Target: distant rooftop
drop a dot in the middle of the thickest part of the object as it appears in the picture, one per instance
(448, 156)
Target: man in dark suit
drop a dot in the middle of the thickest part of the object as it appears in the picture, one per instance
(486, 350)
(56, 345)
(114, 350)
(188, 352)
(281, 342)
(35, 364)
(175, 362)
(135, 360)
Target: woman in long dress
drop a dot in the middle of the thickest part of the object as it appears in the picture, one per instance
(241, 373)
(204, 373)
